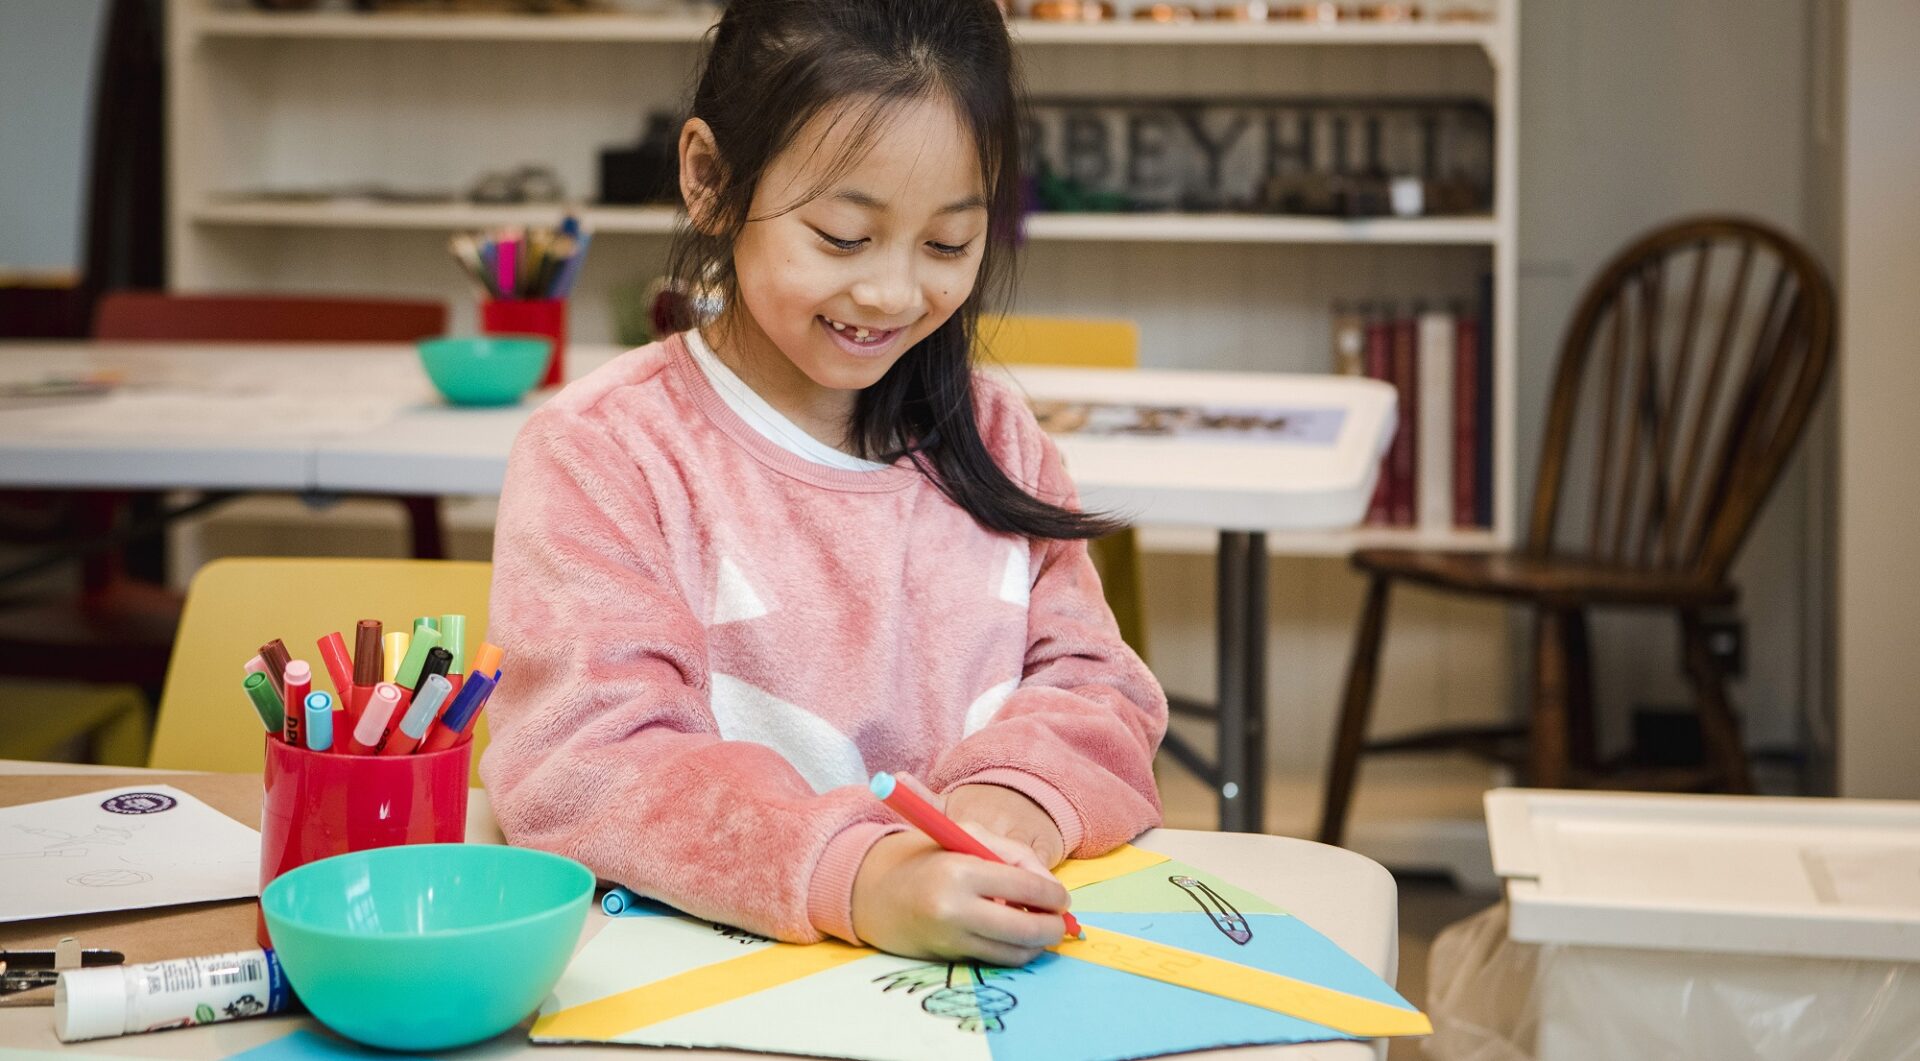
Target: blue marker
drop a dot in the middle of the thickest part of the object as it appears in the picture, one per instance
(319, 710)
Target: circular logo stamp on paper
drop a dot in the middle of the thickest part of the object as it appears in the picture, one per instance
(139, 803)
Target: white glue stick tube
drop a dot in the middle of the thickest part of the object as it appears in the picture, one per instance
(109, 1000)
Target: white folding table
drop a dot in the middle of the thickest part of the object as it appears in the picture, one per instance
(329, 418)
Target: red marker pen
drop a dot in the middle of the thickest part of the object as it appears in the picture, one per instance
(299, 682)
(944, 830)
(333, 653)
(371, 730)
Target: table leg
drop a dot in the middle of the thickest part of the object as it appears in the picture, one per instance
(1242, 656)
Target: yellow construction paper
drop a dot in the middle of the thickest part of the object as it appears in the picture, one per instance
(696, 989)
(1338, 1010)
(1122, 860)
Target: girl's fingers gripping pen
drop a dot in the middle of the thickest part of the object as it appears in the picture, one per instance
(944, 830)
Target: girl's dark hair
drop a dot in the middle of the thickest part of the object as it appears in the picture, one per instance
(772, 66)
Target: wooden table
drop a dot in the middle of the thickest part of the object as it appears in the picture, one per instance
(319, 418)
(1347, 897)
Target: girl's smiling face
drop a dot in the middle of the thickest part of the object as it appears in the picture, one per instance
(834, 290)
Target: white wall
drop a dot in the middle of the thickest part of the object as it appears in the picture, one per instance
(1879, 495)
(47, 52)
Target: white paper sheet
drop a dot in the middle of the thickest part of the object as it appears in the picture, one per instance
(125, 848)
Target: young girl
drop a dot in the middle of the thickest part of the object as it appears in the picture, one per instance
(742, 569)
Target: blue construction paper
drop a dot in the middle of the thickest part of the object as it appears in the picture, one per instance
(1280, 944)
(309, 1045)
(1078, 1010)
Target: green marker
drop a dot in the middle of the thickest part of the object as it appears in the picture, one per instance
(266, 701)
(426, 621)
(424, 638)
(453, 638)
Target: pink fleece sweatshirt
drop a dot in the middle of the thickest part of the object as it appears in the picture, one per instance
(714, 642)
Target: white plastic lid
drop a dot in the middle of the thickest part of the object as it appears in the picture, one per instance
(90, 1004)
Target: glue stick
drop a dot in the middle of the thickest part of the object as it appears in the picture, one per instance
(109, 1000)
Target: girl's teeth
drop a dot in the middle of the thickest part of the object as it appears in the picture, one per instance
(860, 334)
(837, 326)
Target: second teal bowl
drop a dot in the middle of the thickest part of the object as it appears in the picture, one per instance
(427, 946)
(485, 369)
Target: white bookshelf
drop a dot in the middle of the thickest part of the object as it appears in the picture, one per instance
(260, 99)
(630, 28)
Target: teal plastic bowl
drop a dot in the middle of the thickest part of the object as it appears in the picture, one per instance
(427, 946)
(485, 369)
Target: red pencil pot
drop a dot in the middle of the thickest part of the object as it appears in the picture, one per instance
(545, 317)
(318, 804)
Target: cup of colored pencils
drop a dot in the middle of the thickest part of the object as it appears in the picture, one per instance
(523, 276)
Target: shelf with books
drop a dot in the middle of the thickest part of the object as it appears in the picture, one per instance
(1093, 228)
(324, 99)
(616, 28)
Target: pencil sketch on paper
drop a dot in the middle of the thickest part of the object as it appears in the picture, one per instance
(63, 844)
(960, 993)
(1231, 922)
(110, 878)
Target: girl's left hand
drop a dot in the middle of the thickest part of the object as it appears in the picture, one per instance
(1009, 814)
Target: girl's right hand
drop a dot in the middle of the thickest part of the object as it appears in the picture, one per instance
(914, 899)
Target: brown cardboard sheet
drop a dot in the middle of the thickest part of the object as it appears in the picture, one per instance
(142, 935)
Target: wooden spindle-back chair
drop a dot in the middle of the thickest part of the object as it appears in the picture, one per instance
(1685, 379)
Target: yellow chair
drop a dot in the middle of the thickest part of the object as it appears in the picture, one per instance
(236, 605)
(1076, 343)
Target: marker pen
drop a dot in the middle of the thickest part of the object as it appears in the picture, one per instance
(366, 668)
(453, 638)
(487, 660)
(275, 654)
(372, 727)
(407, 676)
(319, 709)
(438, 660)
(256, 665)
(299, 682)
(333, 654)
(459, 714)
(427, 621)
(473, 718)
(265, 701)
(396, 650)
(434, 690)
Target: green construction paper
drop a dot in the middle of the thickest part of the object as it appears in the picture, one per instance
(1149, 891)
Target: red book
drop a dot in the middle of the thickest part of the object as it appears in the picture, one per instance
(1466, 417)
(1404, 458)
(1378, 364)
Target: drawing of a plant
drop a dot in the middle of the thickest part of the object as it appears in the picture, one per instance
(960, 993)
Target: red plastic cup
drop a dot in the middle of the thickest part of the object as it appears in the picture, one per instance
(544, 317)
(318, 804)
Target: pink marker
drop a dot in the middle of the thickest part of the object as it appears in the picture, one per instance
(372, 727)
(299, 683)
